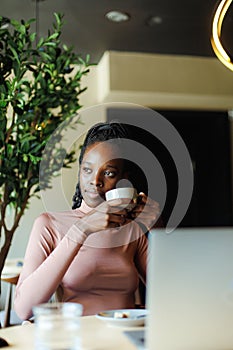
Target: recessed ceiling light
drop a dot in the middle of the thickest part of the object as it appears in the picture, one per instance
(117, 16)
(154, 20)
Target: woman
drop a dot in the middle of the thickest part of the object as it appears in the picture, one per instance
(95, 253)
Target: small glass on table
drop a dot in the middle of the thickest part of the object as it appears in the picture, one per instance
(57, 326)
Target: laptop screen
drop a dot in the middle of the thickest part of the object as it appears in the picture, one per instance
(190, 289)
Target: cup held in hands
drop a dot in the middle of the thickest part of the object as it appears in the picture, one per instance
(125, 193)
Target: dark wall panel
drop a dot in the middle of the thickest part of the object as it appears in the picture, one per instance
(207, 137)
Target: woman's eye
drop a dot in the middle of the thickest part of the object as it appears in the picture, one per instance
(86, 170)
(109, 173)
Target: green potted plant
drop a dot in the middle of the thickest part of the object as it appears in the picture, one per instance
(40, 84)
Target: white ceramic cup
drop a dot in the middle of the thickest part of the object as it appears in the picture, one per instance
(57, 326)
(128, 193)
(122, 193)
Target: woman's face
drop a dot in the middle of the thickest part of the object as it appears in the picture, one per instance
(100, 171)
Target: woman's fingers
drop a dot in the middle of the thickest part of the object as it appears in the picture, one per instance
(116, 220)
(147, 211)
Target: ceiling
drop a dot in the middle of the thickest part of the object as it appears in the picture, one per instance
(183, 27)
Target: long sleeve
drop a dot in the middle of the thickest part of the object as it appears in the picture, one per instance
(48, 256)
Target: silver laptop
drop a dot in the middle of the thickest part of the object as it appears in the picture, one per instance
(190, 290)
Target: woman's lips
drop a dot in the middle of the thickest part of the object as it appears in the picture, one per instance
(93, 194)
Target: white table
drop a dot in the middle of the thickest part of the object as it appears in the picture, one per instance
(96, 335)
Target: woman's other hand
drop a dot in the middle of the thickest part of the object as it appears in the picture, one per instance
(146, 211)
(106, 215)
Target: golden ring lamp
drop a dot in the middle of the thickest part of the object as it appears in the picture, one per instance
(216, 33)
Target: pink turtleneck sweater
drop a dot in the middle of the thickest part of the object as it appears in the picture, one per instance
(100, 271)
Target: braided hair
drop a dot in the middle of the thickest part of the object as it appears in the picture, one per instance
(98, 133)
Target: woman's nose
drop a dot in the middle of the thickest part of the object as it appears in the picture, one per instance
(97, 181)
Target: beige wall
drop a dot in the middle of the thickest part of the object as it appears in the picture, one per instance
(166, 81)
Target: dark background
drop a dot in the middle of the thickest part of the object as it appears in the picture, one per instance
(207, 137)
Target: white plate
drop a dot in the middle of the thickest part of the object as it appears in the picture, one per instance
(136, 317)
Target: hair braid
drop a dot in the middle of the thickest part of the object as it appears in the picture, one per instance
(77, 197)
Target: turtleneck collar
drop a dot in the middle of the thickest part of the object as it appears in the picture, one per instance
(84, 208)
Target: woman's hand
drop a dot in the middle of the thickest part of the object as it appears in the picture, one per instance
(106, 215)
(147, 211)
